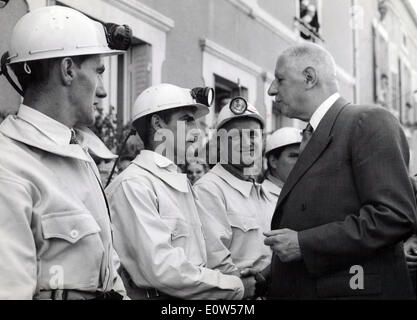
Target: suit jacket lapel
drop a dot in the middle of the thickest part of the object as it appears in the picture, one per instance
(315, 147)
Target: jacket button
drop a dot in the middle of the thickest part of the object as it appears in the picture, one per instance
(74, 234)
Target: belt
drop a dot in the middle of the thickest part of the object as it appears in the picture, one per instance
(136, 293)
(67, 294)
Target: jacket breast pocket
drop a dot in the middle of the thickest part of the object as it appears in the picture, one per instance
(243, 223)
(179, 230)
(72, 246)
(69, 226)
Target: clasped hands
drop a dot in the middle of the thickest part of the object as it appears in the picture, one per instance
(284, 243)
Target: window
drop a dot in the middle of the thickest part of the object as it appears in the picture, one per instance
(395, 103)
(308, 21)
(382, 72)
(126, 76)
(406, 95)
(224, 70)
(134, 76)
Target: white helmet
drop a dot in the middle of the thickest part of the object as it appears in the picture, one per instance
(227, 115)
(166, 96)
(56, 31)
(283, 137)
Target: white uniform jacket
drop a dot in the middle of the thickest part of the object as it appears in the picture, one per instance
(237, 213)
(55, 231)
(158, 233)
(273, 186)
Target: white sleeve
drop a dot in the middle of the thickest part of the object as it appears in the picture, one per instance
(143, 242)
(216, 226)
(18, 267)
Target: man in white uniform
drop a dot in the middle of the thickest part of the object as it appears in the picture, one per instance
(282, 150)
(239, 210)
(55, 232)
(157, 229)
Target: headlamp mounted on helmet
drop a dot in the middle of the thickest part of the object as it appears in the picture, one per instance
(203, 95)
(239, 106)
(118, 37)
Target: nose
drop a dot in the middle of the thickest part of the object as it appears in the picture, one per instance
(246, 140)
(100, 91)
(191, 126)
(273, 88)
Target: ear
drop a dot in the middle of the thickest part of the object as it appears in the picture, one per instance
(272, 162)
(67, 71)
(310, 76)
(156, 122)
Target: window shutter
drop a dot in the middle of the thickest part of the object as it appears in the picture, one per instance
(140, 71)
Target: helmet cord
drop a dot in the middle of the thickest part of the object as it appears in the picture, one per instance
(132, 132)
(5, 72)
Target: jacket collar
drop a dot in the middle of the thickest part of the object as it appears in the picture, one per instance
(272, 184)
(322, 110)
(163, 168)
(35, 129)
(244, 187)
(318, 143)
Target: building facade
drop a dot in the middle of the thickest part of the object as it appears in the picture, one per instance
(232, 45)
(386, 53)
(9, 15)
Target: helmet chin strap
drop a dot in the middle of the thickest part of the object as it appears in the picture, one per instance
(4, 71)
(132, 132)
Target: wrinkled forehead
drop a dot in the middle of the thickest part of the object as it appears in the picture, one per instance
(284, 64)
(98, 60)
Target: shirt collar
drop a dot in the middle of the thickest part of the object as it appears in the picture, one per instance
(322, 110)
(53, 129)
(274, 180)
(244, 187)
(163, 168)
(271, 187)
(36, 129)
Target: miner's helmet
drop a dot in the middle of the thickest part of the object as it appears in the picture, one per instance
(281, 138)
(238, 108)
(166, 96)
(57, 31)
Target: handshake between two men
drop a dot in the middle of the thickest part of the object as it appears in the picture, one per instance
(283, 243)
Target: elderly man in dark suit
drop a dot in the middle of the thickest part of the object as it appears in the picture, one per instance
(348, 204)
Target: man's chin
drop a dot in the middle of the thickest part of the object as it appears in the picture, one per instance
(86, 123)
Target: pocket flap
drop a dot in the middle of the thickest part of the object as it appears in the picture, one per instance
(177, 226)
(244, 223)
(70, 226)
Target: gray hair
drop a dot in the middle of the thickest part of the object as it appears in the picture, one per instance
(315, 56)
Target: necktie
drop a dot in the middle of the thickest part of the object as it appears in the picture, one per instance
(307, 133)
(73, 137)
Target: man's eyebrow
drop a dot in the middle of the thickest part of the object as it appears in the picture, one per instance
(186, 116)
